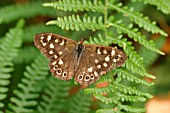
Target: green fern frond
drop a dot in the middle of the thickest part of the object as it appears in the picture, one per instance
(27, 10)
(79, 103)
(162, 5)
(54, 98)
(76, 23)
(132, 109)
(75, 5)
(111, 110)
(123, 73)
(130, 65)
(136, 35)
(130, 90)
(8, 51)
(113, 87)
(138, 18)
(29, 89)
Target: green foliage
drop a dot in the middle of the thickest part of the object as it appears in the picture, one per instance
(8, 50)
(79, 103)
(30, 87)
(28, 10)
(161, 5)
(53, 100)
(26, 84)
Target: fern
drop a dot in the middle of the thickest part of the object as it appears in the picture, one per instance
(26, 96)
(138, 18)
(133, 33)
(8, 50)
(53, 101)
(72, 22)
(162, 5)
(73, 5)
(80, 103)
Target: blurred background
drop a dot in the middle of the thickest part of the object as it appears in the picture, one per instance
(35, 17)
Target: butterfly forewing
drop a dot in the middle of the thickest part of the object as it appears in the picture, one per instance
(60, 52)
(96, 61)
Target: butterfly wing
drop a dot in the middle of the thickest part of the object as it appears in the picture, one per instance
(96, 61)
(60, 51)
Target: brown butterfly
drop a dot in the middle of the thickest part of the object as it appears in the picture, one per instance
(86, 61)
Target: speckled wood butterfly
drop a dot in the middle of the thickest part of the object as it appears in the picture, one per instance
(86, 61)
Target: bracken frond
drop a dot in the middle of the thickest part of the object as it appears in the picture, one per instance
(75, 5)
(8, 51)
(54, 98)
(26, 95)
(162, 5)
(138, 18)
(76, 23)
(136, 35)
(79, 103)
(130, 77)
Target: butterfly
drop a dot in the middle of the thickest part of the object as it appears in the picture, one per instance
(86, 62)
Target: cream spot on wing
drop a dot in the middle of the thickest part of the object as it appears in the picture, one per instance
(119, 55)
(56, 40)
(55, 56)
(60, 62)
(105, 64)
(104, 51)
(51, 52)
(62, 43)
(44, 44)
(90, 69)
(95, 73)
(114, 60)
(51, 45)
(113, 52)
(53, 63)
(60, 52)
(107, 59)
(42, 37)
(49, 37)
(98, 51)
(99, 66)
(96, 61)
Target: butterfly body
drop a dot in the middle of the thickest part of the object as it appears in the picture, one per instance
(87, 62)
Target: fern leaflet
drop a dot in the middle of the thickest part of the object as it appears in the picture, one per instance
(26, 95)
(8, 51)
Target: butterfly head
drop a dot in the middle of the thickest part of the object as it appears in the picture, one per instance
(80, 47)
